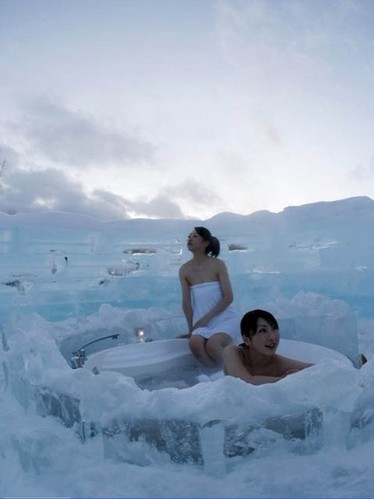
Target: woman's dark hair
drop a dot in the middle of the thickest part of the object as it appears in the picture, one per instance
(214, 246)
(248, 324)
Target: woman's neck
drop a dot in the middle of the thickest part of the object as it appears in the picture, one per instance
(199, 258)
(257, 360)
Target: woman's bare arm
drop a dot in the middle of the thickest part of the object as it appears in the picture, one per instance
(290, 366)
(234, 366)
(186, 299)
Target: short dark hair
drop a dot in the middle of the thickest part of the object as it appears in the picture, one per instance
(214, 246)
(248, 324)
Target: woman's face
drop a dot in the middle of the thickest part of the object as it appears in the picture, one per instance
(196, 242)
(266, 339)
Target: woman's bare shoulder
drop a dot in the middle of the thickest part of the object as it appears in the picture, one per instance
(184, 267)
(217, 263)
(231, 350)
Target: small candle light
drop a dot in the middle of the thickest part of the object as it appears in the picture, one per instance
(140, 334)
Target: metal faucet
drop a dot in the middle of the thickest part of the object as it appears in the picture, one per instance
(79, 355)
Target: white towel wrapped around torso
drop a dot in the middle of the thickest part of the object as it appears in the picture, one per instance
(204, 297)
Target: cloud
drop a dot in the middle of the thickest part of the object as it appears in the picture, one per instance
(296, 42)
(23, 190)
(75, 139)
(159, 207)
(49, 189)
(9, 159)
(176, 200)
(52, 190)
(194, 192)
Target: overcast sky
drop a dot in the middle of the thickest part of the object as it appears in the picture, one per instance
(184, 108)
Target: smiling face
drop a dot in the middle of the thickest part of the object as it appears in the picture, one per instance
(265, 338)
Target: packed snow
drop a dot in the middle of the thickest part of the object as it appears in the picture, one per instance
(67, 280)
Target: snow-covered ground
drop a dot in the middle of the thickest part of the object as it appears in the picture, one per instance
(66, 280)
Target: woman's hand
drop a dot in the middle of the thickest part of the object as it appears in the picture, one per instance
(200, 323)
(186, 335)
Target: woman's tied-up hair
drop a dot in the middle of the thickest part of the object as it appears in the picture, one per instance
(214, 246)
(248, 324)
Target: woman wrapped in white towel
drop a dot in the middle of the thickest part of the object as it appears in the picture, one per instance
(207, 299)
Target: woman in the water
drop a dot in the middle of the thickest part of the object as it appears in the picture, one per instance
(206, 299)
(255, 360)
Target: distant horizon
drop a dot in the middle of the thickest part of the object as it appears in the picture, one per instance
(150, 218)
